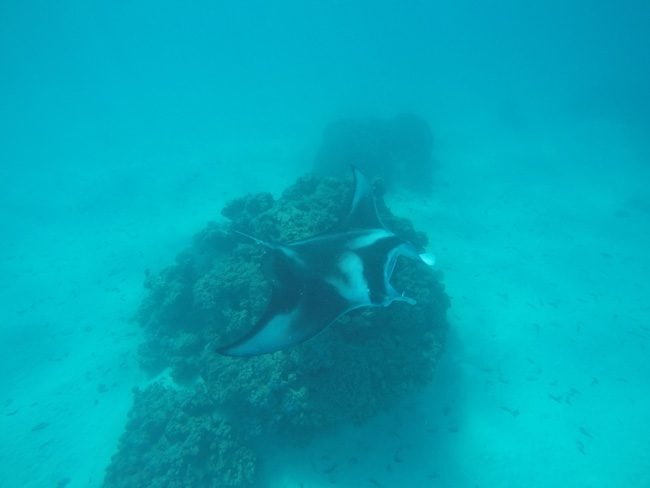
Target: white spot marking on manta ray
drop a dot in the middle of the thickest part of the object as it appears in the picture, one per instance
(369, 238)
(428, 258)
(274, 334)
(353, 287)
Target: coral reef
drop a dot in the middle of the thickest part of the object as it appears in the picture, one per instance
(204, 430)
(176, 438)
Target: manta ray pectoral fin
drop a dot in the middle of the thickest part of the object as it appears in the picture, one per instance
(296, 312)
(363, 212)
(278, 332)
(272, 334)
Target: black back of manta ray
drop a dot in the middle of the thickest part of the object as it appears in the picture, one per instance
(318, 279)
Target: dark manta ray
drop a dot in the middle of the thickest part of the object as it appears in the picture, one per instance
(323, 277)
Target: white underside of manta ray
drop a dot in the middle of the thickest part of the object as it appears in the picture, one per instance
(323, 277)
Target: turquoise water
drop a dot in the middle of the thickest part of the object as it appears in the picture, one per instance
(126, 127)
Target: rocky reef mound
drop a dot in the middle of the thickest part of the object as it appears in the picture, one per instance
(203, 426)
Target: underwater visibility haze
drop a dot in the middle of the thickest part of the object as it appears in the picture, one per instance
(175, 178)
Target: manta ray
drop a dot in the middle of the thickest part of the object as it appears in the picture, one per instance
(318, 279)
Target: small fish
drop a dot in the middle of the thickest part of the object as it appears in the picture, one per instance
(374, 482)
(512, 411)
(569, 396)
(329, 469)
(40, 426)
(397, 457)
(46, 443)
(63, 483)
(581, 447)
(556, 398)
(585, 432)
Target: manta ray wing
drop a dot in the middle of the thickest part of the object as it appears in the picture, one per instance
(296, 312)
(363, 211)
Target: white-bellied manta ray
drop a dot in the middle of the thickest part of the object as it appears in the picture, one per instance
(320, 278)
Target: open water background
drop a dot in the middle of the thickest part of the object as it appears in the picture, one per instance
(125, 126)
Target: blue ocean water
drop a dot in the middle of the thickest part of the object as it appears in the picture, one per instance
(125, 127)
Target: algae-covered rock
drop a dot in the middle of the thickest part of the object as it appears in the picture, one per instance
(213, 294)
